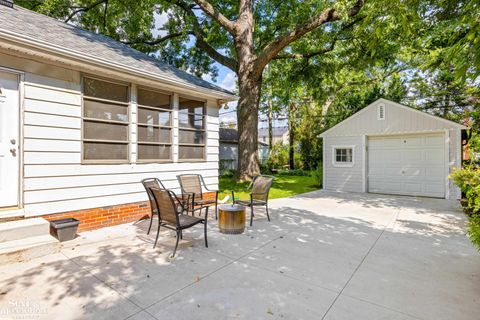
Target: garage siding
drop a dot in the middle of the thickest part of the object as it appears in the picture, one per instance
(398, 120)
(343, 178)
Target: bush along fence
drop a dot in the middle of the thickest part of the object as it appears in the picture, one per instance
(468, 179)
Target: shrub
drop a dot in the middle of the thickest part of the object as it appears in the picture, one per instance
(468, 179)
(474, 229)
(294, 172)
(318, 175)
(228, 173)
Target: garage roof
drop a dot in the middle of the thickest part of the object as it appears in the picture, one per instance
(397, 119)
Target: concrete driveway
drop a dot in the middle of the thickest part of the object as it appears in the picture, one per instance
(323, 256)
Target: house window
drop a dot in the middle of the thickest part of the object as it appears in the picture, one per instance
(105, 121)
(154, 125)
(192, 133)
(343, 156)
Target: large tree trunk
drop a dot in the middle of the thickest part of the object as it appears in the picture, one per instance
(247, 115)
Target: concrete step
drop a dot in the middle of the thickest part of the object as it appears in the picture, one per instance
(11, 213)
(21, 229)
(22, 250)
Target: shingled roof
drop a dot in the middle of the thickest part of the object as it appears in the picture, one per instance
(22, 23)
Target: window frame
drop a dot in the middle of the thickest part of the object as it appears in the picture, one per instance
(171, 127)
(128, 123)
(204, 130)
(341, 164)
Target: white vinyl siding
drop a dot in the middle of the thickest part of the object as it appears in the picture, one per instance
(399, 120)
(55, 180)
(341, 178)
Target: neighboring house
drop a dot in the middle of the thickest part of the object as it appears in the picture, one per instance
(84, 118)
(279, 135)
(229, 149)
(393, 149)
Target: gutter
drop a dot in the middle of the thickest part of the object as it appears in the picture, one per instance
(80, 57)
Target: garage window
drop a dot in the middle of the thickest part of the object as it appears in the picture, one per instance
(343, 156)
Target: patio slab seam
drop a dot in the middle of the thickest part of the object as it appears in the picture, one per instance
(382, 306)
(397, 213)
(214, 271)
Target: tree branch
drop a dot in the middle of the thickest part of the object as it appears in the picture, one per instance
(215, 14)
(331, 47)
(277, 45)
(201, 43)
(307, 55)
(158, 40)
(84, 9)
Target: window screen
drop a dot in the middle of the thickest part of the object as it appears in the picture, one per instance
(192, 131)
(105, 121)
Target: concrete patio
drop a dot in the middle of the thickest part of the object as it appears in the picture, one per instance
(323, 256)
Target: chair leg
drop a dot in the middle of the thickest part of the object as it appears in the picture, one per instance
(268, 216)
(150, 226)
(251, 215)
(158, 232)
(205, 229)
(176, 244)
(181, 234)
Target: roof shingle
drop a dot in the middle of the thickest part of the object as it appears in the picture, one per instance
(28, 24)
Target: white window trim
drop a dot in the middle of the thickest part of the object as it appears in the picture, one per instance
(343, 164)
(381, 105)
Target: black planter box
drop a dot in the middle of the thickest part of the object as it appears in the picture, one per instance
(64, 229)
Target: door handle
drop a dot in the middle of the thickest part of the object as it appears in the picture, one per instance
(14, 152)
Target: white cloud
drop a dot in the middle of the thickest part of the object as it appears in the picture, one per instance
(207, 77)
(160, 20)
(229, 82)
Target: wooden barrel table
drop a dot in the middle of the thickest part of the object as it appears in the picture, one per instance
(231, 218)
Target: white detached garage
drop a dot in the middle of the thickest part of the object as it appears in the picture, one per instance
(393, 149)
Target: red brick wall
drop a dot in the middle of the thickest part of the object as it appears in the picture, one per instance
(96, 218)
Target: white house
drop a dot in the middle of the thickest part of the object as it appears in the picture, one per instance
(84, 118)
(393, 149)
(279, 135)
(229, 149)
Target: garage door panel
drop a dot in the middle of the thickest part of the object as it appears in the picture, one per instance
(413, 141)
(413, 155)
(413, 187)
(408, 165)
(434, 140)
(434, 156)
(385, 143)
(434, 172)
(383, 186)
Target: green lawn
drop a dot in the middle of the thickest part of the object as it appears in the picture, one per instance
(283, 186)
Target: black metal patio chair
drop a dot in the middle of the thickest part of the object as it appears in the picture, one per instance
(193, 186)
(170, 215)
(147, 184)
(259, 191)
(156, 183)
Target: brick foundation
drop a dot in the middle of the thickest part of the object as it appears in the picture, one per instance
(96, 218)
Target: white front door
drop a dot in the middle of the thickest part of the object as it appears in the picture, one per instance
(407, 165)
(9, 139)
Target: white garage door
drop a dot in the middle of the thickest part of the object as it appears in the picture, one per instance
(407, 165)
